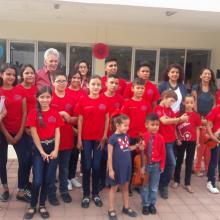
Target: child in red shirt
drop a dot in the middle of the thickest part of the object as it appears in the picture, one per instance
(188, 134)
(44, 123)
(168, 122)
(151, 93)
(12, 132)
(93, 120)
(154, 147)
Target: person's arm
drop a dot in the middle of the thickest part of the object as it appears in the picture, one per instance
(194, 94)
(211, 134)
(7, 135)
(80, 122)
(54, 153)
(23, 120)
(197, 136)
(104, 138)
(110, 165)
(167, 121)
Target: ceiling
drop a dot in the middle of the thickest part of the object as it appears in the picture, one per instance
(49, 11)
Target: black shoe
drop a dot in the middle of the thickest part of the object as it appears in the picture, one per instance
(23, 198)
(53, 200)
(129, 212)
(152, 209)
(43, 212)
(85, 202)
(145, 210)
(164, 192)
(30, 213)
(97, 200)
(112, 215)
(66, 197)
(4, 197)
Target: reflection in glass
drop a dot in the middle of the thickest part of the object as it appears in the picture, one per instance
(2, 51)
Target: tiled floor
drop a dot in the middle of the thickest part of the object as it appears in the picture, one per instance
(180, 205)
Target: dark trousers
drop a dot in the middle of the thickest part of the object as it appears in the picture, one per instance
(44, 175)
(23, 151)
(91, 159)
(103, 165)
(188, 147)
(214, 160)
(73, 162)
(63, 161)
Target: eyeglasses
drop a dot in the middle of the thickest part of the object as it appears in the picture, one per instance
(60, 81)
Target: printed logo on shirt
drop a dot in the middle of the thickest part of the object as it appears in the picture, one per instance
(150, 92)
(143, 108)
(123, 144)
(51, 119)
(17, 97)
(187, 136)
(68, 107)
(102, 106)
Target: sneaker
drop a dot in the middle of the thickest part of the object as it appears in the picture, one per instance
(164, 192)
(66, 197)
(145, 210)
(85, 202)
(175, 185)
(97, 200)
(23, 198)
(69, 185)
(129, 212)
(53, 200)
(152, 209)
(4, 197)
(189, 189)
(30, 213)
(211, 188)
(112, 215)
(75, 183)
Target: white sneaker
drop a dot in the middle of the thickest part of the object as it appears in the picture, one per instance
(69, 186)
(75, 183)
(212, 189)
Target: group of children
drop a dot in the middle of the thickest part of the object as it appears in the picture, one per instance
(47, 126)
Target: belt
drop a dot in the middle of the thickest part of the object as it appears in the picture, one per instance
(49, 141)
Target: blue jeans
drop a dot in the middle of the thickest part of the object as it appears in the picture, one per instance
(44, 174)
(166, 176)
(23, 150)
(91, 159)
(149, 192)
(213, 164)
(73, 162)
(63, 161)
(103, 165)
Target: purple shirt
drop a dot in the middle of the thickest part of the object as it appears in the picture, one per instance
(43, 78)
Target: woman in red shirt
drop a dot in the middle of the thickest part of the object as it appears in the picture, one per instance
(12, 132)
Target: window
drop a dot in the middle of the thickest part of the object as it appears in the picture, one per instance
(124, 56)
(2, 51)
(78, 53)
(21, 54)
(169, 56)
(149, 56)
(61, 47)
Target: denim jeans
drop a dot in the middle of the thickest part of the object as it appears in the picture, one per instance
(166, 176)
(91, 159)
(23, 150)
(44, 174)
(149, 192)
(73, 162)
(63, 161)
(213, 164)
(103, 166)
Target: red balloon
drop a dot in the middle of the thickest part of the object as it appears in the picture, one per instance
(100, 51)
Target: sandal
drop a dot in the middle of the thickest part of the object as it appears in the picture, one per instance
(112, 215)
(30, 213)
(129, 212)
(43, 212)
(189, 189)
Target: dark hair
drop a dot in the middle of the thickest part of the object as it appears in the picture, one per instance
(117, 119)
(59, 73)
(212, 82)
(138, 81)
(182, 107)
(152, 117)
(115, 76)
(169, 94)
(39, 111)
(6, 66)
(23, 68)
(70, 76)
(111, 59)
(176, 66)
(143, 64)
(76, 67)
(95, 77)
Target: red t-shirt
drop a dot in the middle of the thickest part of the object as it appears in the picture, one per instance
(66, 104)
(214, 117)
(121, 86)
(93, 112)
(51, 119)
(218, 98)
(13, 104)
(151, 93)
(167, 131)
(30, 95)
(76, 94)
(187, 130)
(114, 103)
(137, 112)
(158, 148)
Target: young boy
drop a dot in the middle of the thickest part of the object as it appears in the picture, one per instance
(114, 101)
(136, 109)
(154, 147)
(167, 129)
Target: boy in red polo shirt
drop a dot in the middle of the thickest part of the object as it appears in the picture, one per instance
(151, 93)
(167, 129)
(154, 147)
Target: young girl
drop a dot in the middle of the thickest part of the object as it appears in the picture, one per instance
(187, 140)
(119, 170)
(12, 132)
(93, 119)
(44, 123)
